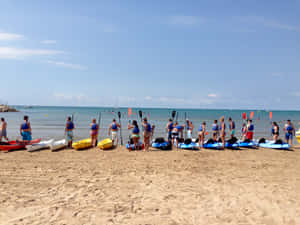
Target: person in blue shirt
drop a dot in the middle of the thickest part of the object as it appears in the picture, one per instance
(275, 131)
(289, 132)
(25, 130)
(223, 130)
(69, 131)
(231, 127)
(94, 127)
(189, 128)
(169, 128)
(175, 133)
(201, 134)
(215, 130)
(147, 133)
(135, 134)
(113, 128)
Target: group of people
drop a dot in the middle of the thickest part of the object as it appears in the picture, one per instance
(174, 131)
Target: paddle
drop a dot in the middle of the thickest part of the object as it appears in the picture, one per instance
(119, 114)
(141, 115)
(173, 114)
(251, 115)
(99, 121)
(185, 128)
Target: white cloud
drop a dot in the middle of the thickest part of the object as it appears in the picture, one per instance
(148, 98)
(20, 53)
(10, 36)
(270, 23)
(185, 20)
(72, 98)
(48, 42)
(212, 95)
(67, 65)
(297, 94)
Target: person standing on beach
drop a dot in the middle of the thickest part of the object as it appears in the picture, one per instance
(201, 134)
(169, 128)
(215, 130)
(135, 134)
(275, 131)
(189, 128)
(94, 132)
(25, 130)
(289, 132)
(69, 131)
(250, 130)
(113, 128)
(3, 132)
(223, 130)
(231, 127)
(147, 133)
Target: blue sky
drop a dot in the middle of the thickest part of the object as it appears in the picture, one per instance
(195, 54)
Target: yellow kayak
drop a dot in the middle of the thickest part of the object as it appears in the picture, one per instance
(298, 136)
(105, 144)
(82, 144)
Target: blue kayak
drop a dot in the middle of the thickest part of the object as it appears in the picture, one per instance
(219, 145)
(272, 145)
(191, 146)
(163, 146)
(132, 147)
(251, 144)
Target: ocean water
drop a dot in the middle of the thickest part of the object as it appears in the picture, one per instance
(49, 122)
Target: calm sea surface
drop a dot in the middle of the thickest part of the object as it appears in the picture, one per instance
(49, 122)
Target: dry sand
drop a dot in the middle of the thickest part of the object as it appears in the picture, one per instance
(177, 187)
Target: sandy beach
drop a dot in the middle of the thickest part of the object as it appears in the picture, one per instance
(178, 187)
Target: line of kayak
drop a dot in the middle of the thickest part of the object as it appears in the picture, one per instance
(159, 143)
(189, 144)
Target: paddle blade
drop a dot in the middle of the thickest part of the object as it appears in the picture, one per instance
(141, 114)
(173, 114)
(119, 114)
(129, 112)
(244, 115)
(270, 115)
(251, 115)
(206, 133)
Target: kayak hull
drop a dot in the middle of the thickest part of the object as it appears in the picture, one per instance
(58, 145)
(40, 146)
(105, 144)
(82, 144)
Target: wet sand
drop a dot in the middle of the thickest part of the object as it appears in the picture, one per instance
(172, 187)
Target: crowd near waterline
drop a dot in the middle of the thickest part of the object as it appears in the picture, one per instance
(174, 131)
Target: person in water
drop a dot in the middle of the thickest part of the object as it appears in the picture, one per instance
(94, 132)
(250, 130)
(289, 132)
(25, 130)
(275, 131)
(231, 127)
(135, 134)
(113, 128)
(169, 128)
(215, 130)
(201, 134)
(147, 133)
(3, 132)
(189, 128)
(223, 131)
(244, 132)
(69, 131)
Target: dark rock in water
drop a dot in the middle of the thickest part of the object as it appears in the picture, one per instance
(6, 108)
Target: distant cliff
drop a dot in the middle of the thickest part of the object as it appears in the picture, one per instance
(6, 108)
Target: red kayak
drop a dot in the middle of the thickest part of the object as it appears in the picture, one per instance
(17, 145)
(36, 141)
(10, 147)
